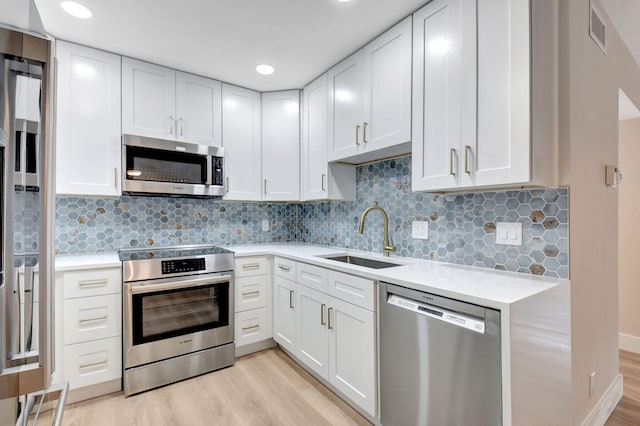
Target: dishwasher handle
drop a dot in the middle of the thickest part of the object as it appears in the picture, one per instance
(451, 317)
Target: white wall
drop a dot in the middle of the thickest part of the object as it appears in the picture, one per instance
(21, 14)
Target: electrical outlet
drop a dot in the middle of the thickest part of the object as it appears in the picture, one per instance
(265, 225)
(509, 233)
(592, 383)
(420, 230)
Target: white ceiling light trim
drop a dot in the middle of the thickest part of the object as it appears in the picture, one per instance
(76, 9)
(265, 69)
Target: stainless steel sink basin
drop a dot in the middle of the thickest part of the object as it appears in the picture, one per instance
(363, 261)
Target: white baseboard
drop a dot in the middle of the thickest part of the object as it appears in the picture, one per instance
(603, 409)
(629, 343)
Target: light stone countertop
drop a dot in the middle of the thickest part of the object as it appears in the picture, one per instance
(486, 287)
(86, 261)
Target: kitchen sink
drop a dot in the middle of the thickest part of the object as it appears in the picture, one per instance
(363, 261)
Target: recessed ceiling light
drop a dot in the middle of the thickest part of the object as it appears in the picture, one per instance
(343, 1)
(76, 9)
(265, 69)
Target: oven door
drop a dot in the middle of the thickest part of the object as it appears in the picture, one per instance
(168, 317)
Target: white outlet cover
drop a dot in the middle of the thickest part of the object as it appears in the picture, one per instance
(509, 233)
(420, 230)
(265, 225)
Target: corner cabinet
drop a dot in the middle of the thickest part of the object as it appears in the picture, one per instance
(472, 98)
(241, 125)
(88, 145)
(319, 179)
(370, 99)
(162, 103)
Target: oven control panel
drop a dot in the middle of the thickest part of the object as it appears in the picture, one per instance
(183, 265)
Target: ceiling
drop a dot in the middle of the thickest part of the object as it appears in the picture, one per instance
(227, 39)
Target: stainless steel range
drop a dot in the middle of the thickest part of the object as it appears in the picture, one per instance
(178, 314)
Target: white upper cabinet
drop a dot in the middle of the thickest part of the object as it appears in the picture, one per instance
(198, 109)
(319, 179)
(281, 145)
(241, 142)
(162, 103)
(471, 103)
(88, 144)
(370, 99)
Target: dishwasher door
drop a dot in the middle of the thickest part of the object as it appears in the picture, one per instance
(439, 360)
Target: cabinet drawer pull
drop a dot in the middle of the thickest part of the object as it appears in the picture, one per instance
(103, 317)
(251, 292)
(253, 327)
(93, 364)
(284, 268)
(329, 326)
(452, 154)
(251, 266)
(324, 178)
(322, 321)
(357, 135)
(364, 132)
(291, 299)
(92, 283)
(467, 150)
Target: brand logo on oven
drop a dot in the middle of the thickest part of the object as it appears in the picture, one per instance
(185, 341)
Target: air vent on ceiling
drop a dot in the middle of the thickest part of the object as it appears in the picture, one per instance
(597, 28)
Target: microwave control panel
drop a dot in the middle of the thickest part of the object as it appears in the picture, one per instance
(218, 174)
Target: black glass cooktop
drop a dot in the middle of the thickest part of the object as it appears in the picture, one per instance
(169, 252)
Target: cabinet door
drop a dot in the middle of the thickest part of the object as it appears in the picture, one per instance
(148, 99)
(284, 313)
(314, 147)
(437, 101)
(352, 352)
(501, 154)
(345, 107)
(281, 145)
(387, 88)
(198, 109)
(313, 334)
(88, 144)
(241, 142)
(252, 326)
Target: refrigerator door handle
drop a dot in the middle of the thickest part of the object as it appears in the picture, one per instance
(29, 279)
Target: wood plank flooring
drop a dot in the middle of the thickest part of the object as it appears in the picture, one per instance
(627, 413)
(265, 388)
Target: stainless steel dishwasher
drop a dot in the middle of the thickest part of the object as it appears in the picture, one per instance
(439, 360)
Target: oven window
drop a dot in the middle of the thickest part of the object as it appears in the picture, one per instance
(165, 166)
(173, 313)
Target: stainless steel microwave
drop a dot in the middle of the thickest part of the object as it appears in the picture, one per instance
(165, 167)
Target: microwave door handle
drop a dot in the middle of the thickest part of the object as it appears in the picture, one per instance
(209, 170)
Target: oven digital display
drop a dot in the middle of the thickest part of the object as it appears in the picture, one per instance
(183, 265)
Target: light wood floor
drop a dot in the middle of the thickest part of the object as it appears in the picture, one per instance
(627, 413)
(265, 388)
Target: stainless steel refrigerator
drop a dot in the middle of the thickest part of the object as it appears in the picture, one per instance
(26, 212)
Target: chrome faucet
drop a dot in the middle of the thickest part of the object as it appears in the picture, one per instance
(386, 248)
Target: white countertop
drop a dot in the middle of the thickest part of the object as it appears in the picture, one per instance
(487, 287)
(86, 261)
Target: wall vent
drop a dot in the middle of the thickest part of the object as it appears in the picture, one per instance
(597, 28)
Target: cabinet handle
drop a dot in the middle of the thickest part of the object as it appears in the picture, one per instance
(226, 190)
(322, 321)
(284, 268)
(251, 292)
(93, 364)
(452, 154)
(171, 124)
(115, 177)
(329, 326)
(467, 150)
(94, 319)
(91, 283)
(364, 132)
(251, 266)
(265, 187)
(291, 299)
(181, 126)
(357, 135)
(324, 178)
(253, 327)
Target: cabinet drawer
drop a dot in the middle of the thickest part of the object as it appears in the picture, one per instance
(352, 289)
(94, 362)
(252, 326)
(251, 292)
(249, 266)
(92, 318)
(284, 268)
(92, 282)
(312, 276)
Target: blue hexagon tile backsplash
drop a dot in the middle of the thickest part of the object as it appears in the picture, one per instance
(462, 227)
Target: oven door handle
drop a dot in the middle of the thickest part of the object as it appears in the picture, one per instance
(176, 285)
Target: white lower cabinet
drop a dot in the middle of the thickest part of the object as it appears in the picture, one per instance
(93, 362)
(284, 313)
(252, 303)
(252, 326)
(313, 333)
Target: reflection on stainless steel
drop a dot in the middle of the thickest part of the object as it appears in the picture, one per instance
(178, 306)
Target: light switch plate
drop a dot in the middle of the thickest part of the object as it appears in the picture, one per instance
(265, 225)
(420, 230)
(509, 233)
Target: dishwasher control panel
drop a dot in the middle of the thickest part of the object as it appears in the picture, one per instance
(438, 313)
